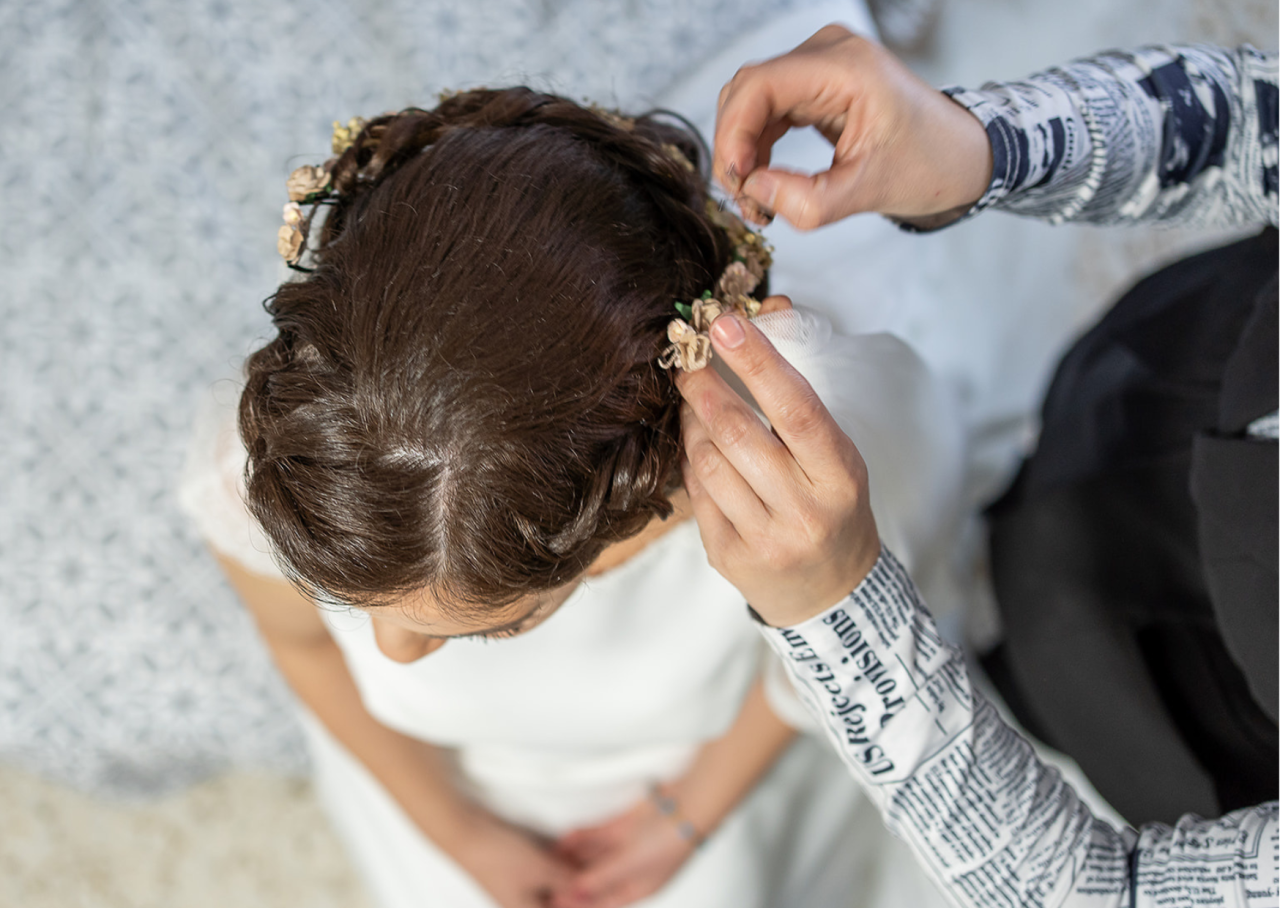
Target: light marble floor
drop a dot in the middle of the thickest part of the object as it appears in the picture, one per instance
(238, 841)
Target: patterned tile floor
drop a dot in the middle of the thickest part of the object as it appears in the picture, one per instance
(260, 841)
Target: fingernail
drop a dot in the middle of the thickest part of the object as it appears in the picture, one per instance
(727, 331)
(763, 187)
(732, 181)
(754, 212)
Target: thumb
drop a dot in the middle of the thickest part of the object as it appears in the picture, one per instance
(806, 201)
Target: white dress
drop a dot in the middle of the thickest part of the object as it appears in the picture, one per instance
(570, 723)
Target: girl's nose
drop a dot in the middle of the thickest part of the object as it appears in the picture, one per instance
(401, 645)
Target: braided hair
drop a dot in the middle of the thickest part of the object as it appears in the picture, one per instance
(463, 395)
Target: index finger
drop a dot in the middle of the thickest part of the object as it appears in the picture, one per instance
(760, 96)
(798, 417)
(744, 467)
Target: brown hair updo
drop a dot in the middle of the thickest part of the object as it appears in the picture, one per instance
(463, 396)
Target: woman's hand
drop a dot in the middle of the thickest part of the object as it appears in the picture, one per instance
(636, 853)
(512, 865)
(902, 148)
(785, 515)
(623, 859)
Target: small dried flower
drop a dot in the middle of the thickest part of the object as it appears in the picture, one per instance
(673, 151)
(679, 331)
(689, 350)
(307, 180)
(737, 280)
(756, 255)
(729, 222)
(617, 119)
(345, 136)
(289, 242)
(690, 347)
(706, 311)
(293, 215)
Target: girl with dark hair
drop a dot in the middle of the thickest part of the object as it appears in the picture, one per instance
(462, 433)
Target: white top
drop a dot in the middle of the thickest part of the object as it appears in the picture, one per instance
(569, 723)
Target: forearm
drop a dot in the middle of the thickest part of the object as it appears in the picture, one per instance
(1171, 134)
(728, 768)
(992, 824)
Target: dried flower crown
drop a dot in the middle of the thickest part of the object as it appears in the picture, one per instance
(311, 185)
(690, 340)
(690, 347)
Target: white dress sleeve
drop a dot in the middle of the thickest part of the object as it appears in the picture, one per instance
(212, 490)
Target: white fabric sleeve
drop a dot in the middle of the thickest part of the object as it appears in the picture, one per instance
(991, 823)
(212, 491)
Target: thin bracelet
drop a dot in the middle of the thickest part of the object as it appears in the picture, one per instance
(668, 807)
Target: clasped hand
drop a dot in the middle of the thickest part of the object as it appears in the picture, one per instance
(609, 865)
(623, 859)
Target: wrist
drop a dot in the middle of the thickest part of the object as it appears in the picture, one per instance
(803, 600)
(669, 802)
(962, 177)
(972, 147)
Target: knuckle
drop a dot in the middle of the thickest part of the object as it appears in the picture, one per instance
(735, 84)
(746, 72)
(805, 415)
(852, 499)
(757, 359)
(807, 214)
(731, 427)
(703, 457)
(856, 469)
(833, 31)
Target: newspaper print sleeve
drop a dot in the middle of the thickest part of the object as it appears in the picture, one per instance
(1183, 134)
(994, 826)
